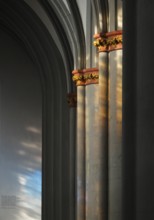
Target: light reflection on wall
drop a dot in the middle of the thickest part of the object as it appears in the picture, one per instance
(30, 179)
(20, 134)
(30, 182)
(95, 30)
(30, 190)
(33, 129)
(119, 94)
(100, 19)
(120, 18)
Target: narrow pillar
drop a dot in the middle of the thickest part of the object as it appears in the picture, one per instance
(80, 159)
(80, 146)
(96, 145)
(92, 151)
(115, 133)
(115, 109)
(89, 78)
(72, 103)
(94, 173)
(102, 130)
(110, 86)
(103, 136)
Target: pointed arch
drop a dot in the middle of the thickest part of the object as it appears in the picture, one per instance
(47, 53)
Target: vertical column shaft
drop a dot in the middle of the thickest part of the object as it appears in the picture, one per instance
(111, 142)
(103, 135)
(115, 135)
(92, 153)
(96, 144)
(71, 162)
(80, 154)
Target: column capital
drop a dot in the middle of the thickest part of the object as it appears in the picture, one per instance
(72, 100)
(85, 76)
(106, 42)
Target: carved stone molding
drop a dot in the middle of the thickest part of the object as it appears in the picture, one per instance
(108, 41)
(72, 100)
(85, 76)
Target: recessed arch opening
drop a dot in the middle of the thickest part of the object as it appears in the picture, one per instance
(36, 42)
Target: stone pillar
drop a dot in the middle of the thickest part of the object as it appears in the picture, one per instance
(115, 134)
(96, 146)
(92, 153)
(103, 135)
(93, 134)
(72, 103)
(91, 165)
(115, 110)
(112, 43)
(95, 154)
(80, 146)
(80, 152)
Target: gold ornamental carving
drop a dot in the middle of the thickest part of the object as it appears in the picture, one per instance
(85, 76)
(109, 41)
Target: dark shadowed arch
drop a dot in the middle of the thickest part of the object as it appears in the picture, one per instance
(22, 24)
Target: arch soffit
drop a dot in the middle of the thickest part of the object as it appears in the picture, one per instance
(67, 34)
(67, 22)
(63, 20)
(20, 21)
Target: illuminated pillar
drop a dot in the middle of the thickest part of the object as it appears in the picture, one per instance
(115, 111)
(86, 79)
(95, 151)
(115, 132)
(94, 167)
(111, 89)
(80, 146)
(103, 133)
(98, 143)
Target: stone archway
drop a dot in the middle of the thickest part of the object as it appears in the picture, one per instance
(22, 25)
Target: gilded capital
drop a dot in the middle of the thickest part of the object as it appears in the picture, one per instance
(85, 76)
(109, 41)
